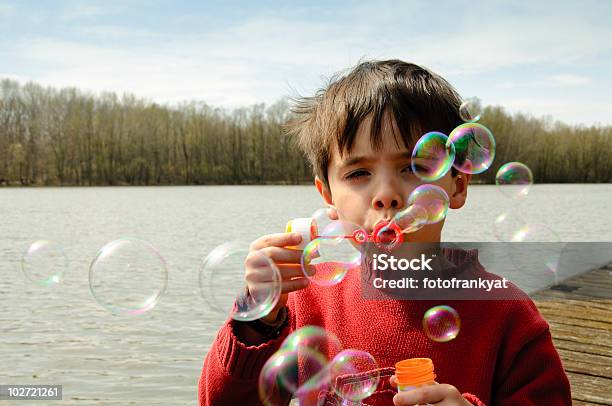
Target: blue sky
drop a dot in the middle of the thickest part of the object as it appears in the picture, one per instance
(546, 58)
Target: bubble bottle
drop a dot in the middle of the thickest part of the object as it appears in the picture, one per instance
(413, 373)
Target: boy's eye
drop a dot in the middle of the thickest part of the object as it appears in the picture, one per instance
(357, 174)
(408, 169)
(418, 168)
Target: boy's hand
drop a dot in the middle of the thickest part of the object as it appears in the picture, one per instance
(437, 394)
(287, 260)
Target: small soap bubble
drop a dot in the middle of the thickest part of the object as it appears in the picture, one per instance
(128, 276)
(433, 199)
(387, 236)
(470, 110)
(474, 147)
(432, 156)
(222, 282)
(354, 362)
(514, 179)
(328, 258)
(44, 263)
(441, 323)
(412, 218)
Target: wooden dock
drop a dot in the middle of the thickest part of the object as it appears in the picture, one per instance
(579, 311)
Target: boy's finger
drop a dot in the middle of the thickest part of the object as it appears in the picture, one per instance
(262, 287)
(277, 240)
(283, 255)
(289, 271)
(422, 395)
(393, 381)
(295, 284)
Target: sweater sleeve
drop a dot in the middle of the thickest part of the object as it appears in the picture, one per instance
(534, 374)
(473, 399)
(231, 369)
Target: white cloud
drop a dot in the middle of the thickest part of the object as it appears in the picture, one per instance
(262, 58)
(6, 10)
(83, 11)
(564, 80)
(156, 74)
(567, 110)
(570, 80)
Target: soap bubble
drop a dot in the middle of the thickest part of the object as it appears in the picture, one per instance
(432, 156)
(387, 235)
(474, 147)
(441, 323)
(300, 366)
(412, 218)
(323, 217)
(469, 111)
(536, 232)
(299, 371)
(433, 199)
(351, 362)
(506, 225)
(315, 338)
(128, 276)
(539, 251)
(270, 384)
(514, 179)
(223, 285)
(44, 263)
(327, 259)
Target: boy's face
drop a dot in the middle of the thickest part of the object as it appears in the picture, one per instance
(368, 185)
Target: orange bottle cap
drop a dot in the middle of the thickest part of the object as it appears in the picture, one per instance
(414, 371)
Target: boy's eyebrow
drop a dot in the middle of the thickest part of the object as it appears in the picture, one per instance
(366, 159)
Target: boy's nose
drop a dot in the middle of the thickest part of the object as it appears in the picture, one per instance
(388, 200)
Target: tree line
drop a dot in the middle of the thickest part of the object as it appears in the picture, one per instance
(64, 136)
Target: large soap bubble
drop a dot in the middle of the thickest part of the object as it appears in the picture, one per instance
(128, 276)
(474, 147)
(223, 282)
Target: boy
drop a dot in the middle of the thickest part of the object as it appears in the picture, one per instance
(358, 134)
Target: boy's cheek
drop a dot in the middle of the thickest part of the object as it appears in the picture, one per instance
(446, 183)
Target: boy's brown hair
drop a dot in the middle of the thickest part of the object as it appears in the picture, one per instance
(417, 99)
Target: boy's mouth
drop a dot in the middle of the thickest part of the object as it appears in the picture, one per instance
(381, 221)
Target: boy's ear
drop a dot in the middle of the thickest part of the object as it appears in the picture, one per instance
(459, 188)
(323, 190)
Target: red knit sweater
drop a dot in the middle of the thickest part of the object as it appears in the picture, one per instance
(503, 355)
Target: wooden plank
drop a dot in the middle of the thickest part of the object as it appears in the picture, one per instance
(579, 312)
(576, 402)
(582, 347)
(581, 335)
(589, 364)
(586, 388)
(555, 296)
(550, 294)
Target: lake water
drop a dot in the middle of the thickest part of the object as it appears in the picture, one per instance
(61, 336)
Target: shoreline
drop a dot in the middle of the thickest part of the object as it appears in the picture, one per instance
(303, 183)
